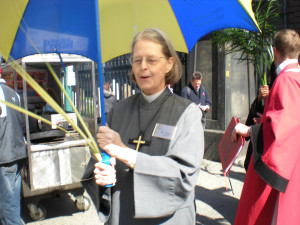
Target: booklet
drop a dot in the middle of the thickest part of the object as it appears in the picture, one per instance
(229, 150)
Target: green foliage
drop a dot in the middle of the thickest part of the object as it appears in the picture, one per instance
(256, 47)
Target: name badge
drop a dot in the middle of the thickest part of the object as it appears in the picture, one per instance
(164, 131)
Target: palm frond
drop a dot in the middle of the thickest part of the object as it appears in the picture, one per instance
(255, 47)
(86, 134)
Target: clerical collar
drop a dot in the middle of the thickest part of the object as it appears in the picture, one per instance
(151, 98)
(284, 64)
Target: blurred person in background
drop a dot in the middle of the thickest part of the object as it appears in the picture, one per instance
(195, 92)
(257, 108)
(12, 156)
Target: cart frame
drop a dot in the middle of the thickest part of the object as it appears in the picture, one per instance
(31, 194)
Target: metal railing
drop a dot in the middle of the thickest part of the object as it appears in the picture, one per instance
(115, 72)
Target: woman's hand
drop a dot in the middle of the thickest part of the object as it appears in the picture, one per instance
(107, 136)
(124, 154)
(263, 92)
(257, 120)
(105, 174)
(110, 141)
(240, 129)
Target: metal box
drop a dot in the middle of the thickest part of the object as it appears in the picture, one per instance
(59, 120)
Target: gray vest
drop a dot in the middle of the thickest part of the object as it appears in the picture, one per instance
(12, 145)
(124, 119)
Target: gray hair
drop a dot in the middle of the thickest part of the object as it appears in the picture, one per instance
(159, 37)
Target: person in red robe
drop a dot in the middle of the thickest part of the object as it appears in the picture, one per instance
(271, 192)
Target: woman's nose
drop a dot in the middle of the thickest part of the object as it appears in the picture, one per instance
(144, 63)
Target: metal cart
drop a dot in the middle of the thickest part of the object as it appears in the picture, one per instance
(53, 169)
(56, 161)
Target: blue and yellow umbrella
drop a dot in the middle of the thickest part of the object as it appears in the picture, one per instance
(104, 29)
(70, 26)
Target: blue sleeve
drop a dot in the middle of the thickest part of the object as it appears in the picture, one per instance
(184, 93)
(207, 100)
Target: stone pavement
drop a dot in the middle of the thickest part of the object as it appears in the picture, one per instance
(215, 205)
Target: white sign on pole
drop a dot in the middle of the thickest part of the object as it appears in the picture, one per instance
(71, 81)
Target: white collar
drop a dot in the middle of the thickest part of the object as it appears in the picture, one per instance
(151, 98)
(284, 64)
(2, 81)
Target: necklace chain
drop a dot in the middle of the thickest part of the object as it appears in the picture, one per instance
(139, 140)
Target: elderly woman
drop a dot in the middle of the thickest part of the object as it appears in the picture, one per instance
(156, 138)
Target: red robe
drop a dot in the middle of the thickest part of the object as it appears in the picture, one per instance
(274, 170)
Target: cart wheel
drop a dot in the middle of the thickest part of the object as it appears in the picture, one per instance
(36, 212)
(82, 203)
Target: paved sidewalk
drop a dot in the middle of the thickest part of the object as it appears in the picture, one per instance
(215, 206)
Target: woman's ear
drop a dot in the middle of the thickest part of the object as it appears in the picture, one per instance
(170, 64)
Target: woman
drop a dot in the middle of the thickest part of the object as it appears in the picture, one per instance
(157, 139)
(257, 108)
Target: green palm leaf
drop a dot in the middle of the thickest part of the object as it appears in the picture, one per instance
(255, 47)
(86, 134)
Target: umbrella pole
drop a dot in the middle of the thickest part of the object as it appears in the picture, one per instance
(105, 156)
(99, 58)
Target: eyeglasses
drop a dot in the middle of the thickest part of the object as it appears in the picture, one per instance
(150, 60)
